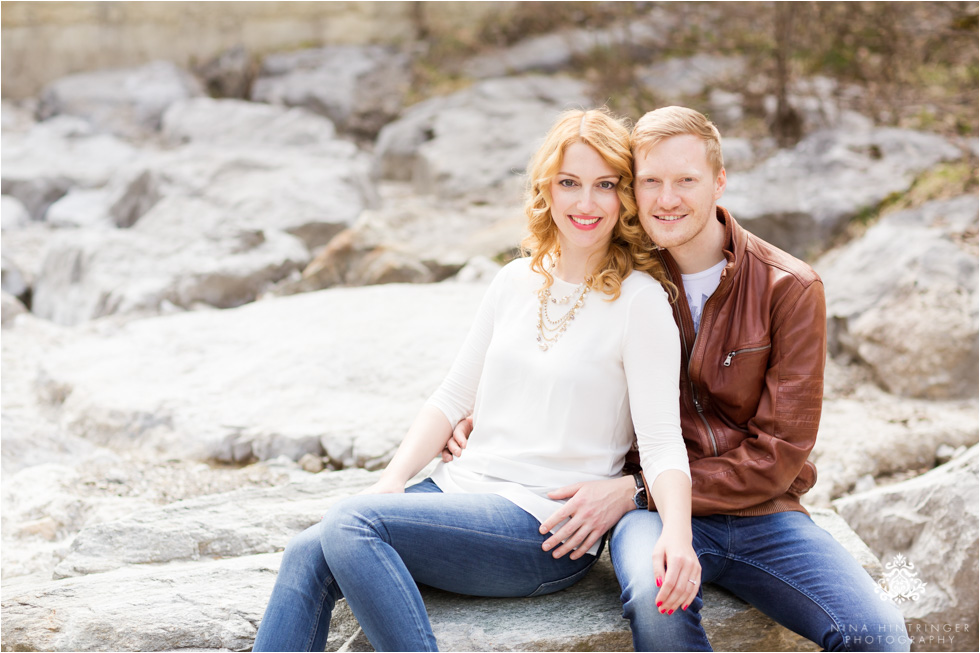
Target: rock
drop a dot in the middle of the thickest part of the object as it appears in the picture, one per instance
(81, 207)
(925, 530)
(213, 590)
(217, 220)
(312, 464)
(162, 261)
(127, 102)
(800, 199)
(896, 436)
(477, 142)
(360, 88)
(42, 164)
(190, 605)
(396, 243)
(229, 75)
(351, 368)
(11, 308)
(889, 289)
(680, 77)
(233, 524)
(17, 116)
(477, 269)
(14, 213)
(12, 279)
(237, 123)
(556, 51)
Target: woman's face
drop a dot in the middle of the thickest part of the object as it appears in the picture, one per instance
(584, 201)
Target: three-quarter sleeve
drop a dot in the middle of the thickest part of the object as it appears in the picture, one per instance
(652, 359)
(456, 395)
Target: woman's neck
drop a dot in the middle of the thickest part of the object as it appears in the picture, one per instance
(576, 267)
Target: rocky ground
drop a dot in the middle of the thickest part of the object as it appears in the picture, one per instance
(221, 314)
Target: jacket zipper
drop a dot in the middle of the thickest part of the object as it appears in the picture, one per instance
(694, 390)
(732, 354)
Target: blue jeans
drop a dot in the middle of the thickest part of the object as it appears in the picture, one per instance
(783, 564)
(374, 548)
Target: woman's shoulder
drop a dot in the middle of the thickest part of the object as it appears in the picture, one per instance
(640, 283)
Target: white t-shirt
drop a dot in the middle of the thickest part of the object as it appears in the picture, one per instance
(546, 419)
(699, 286)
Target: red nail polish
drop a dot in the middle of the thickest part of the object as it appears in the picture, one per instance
(683, 607)
(659, 603)
(663, 612)
(660, 581)
(670, 612)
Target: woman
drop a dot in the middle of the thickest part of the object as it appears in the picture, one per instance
(544, 370)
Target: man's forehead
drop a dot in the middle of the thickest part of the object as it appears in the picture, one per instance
(685, 153)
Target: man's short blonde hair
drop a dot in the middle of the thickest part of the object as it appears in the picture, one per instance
(663, 123)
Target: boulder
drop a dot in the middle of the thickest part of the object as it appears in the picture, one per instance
(800, 199)
(339, 373)
(237, 123)
(871, 436)
(396, 243)
(677, 78)
(127, 102)
(166, 261)
(888, 290)
(11, 308)
(238, 523)
(360, 88)
(43, 163)
(477, 142)
(197, 574)
(926, 531)
(12, 278)
(228, 212)
(14, 213)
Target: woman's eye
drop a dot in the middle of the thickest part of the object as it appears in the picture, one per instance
(567, 183)
(607, 185)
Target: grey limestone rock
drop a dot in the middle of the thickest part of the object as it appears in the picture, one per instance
(926, 532)
(800, 199)
(360, 88)
(475, 143)
(126, 101)
(888, 291)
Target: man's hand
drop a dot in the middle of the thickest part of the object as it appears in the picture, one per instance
(593, 507)
(457, 441)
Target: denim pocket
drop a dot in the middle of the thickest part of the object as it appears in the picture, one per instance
(567, 581)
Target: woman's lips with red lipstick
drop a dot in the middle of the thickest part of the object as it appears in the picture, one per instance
(584, 221)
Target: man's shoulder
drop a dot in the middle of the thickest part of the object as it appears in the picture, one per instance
(781, 264)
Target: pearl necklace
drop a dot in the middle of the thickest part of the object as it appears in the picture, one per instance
(550, 330)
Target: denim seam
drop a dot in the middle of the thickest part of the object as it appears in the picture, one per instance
(799, 588)
(316, 617)
(374, 523)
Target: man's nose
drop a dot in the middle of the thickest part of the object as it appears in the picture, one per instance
(668, 198)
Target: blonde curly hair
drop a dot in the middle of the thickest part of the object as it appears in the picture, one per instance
(630, 247)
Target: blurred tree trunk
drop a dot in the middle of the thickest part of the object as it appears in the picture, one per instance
(786, 125)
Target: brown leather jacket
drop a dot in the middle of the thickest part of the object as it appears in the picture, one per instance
(752, 379)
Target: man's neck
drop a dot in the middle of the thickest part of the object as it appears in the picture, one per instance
(703, 251)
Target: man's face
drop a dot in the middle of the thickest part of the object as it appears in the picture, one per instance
(676, 190)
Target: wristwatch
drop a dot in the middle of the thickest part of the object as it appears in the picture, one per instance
(640, 495)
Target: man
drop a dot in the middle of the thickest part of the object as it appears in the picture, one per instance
(752, 326)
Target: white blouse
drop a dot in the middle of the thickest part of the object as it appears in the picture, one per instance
(546, 419)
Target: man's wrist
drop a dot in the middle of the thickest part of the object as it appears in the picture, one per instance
(639, 492)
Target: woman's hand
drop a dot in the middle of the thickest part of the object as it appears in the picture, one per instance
(677, 570)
